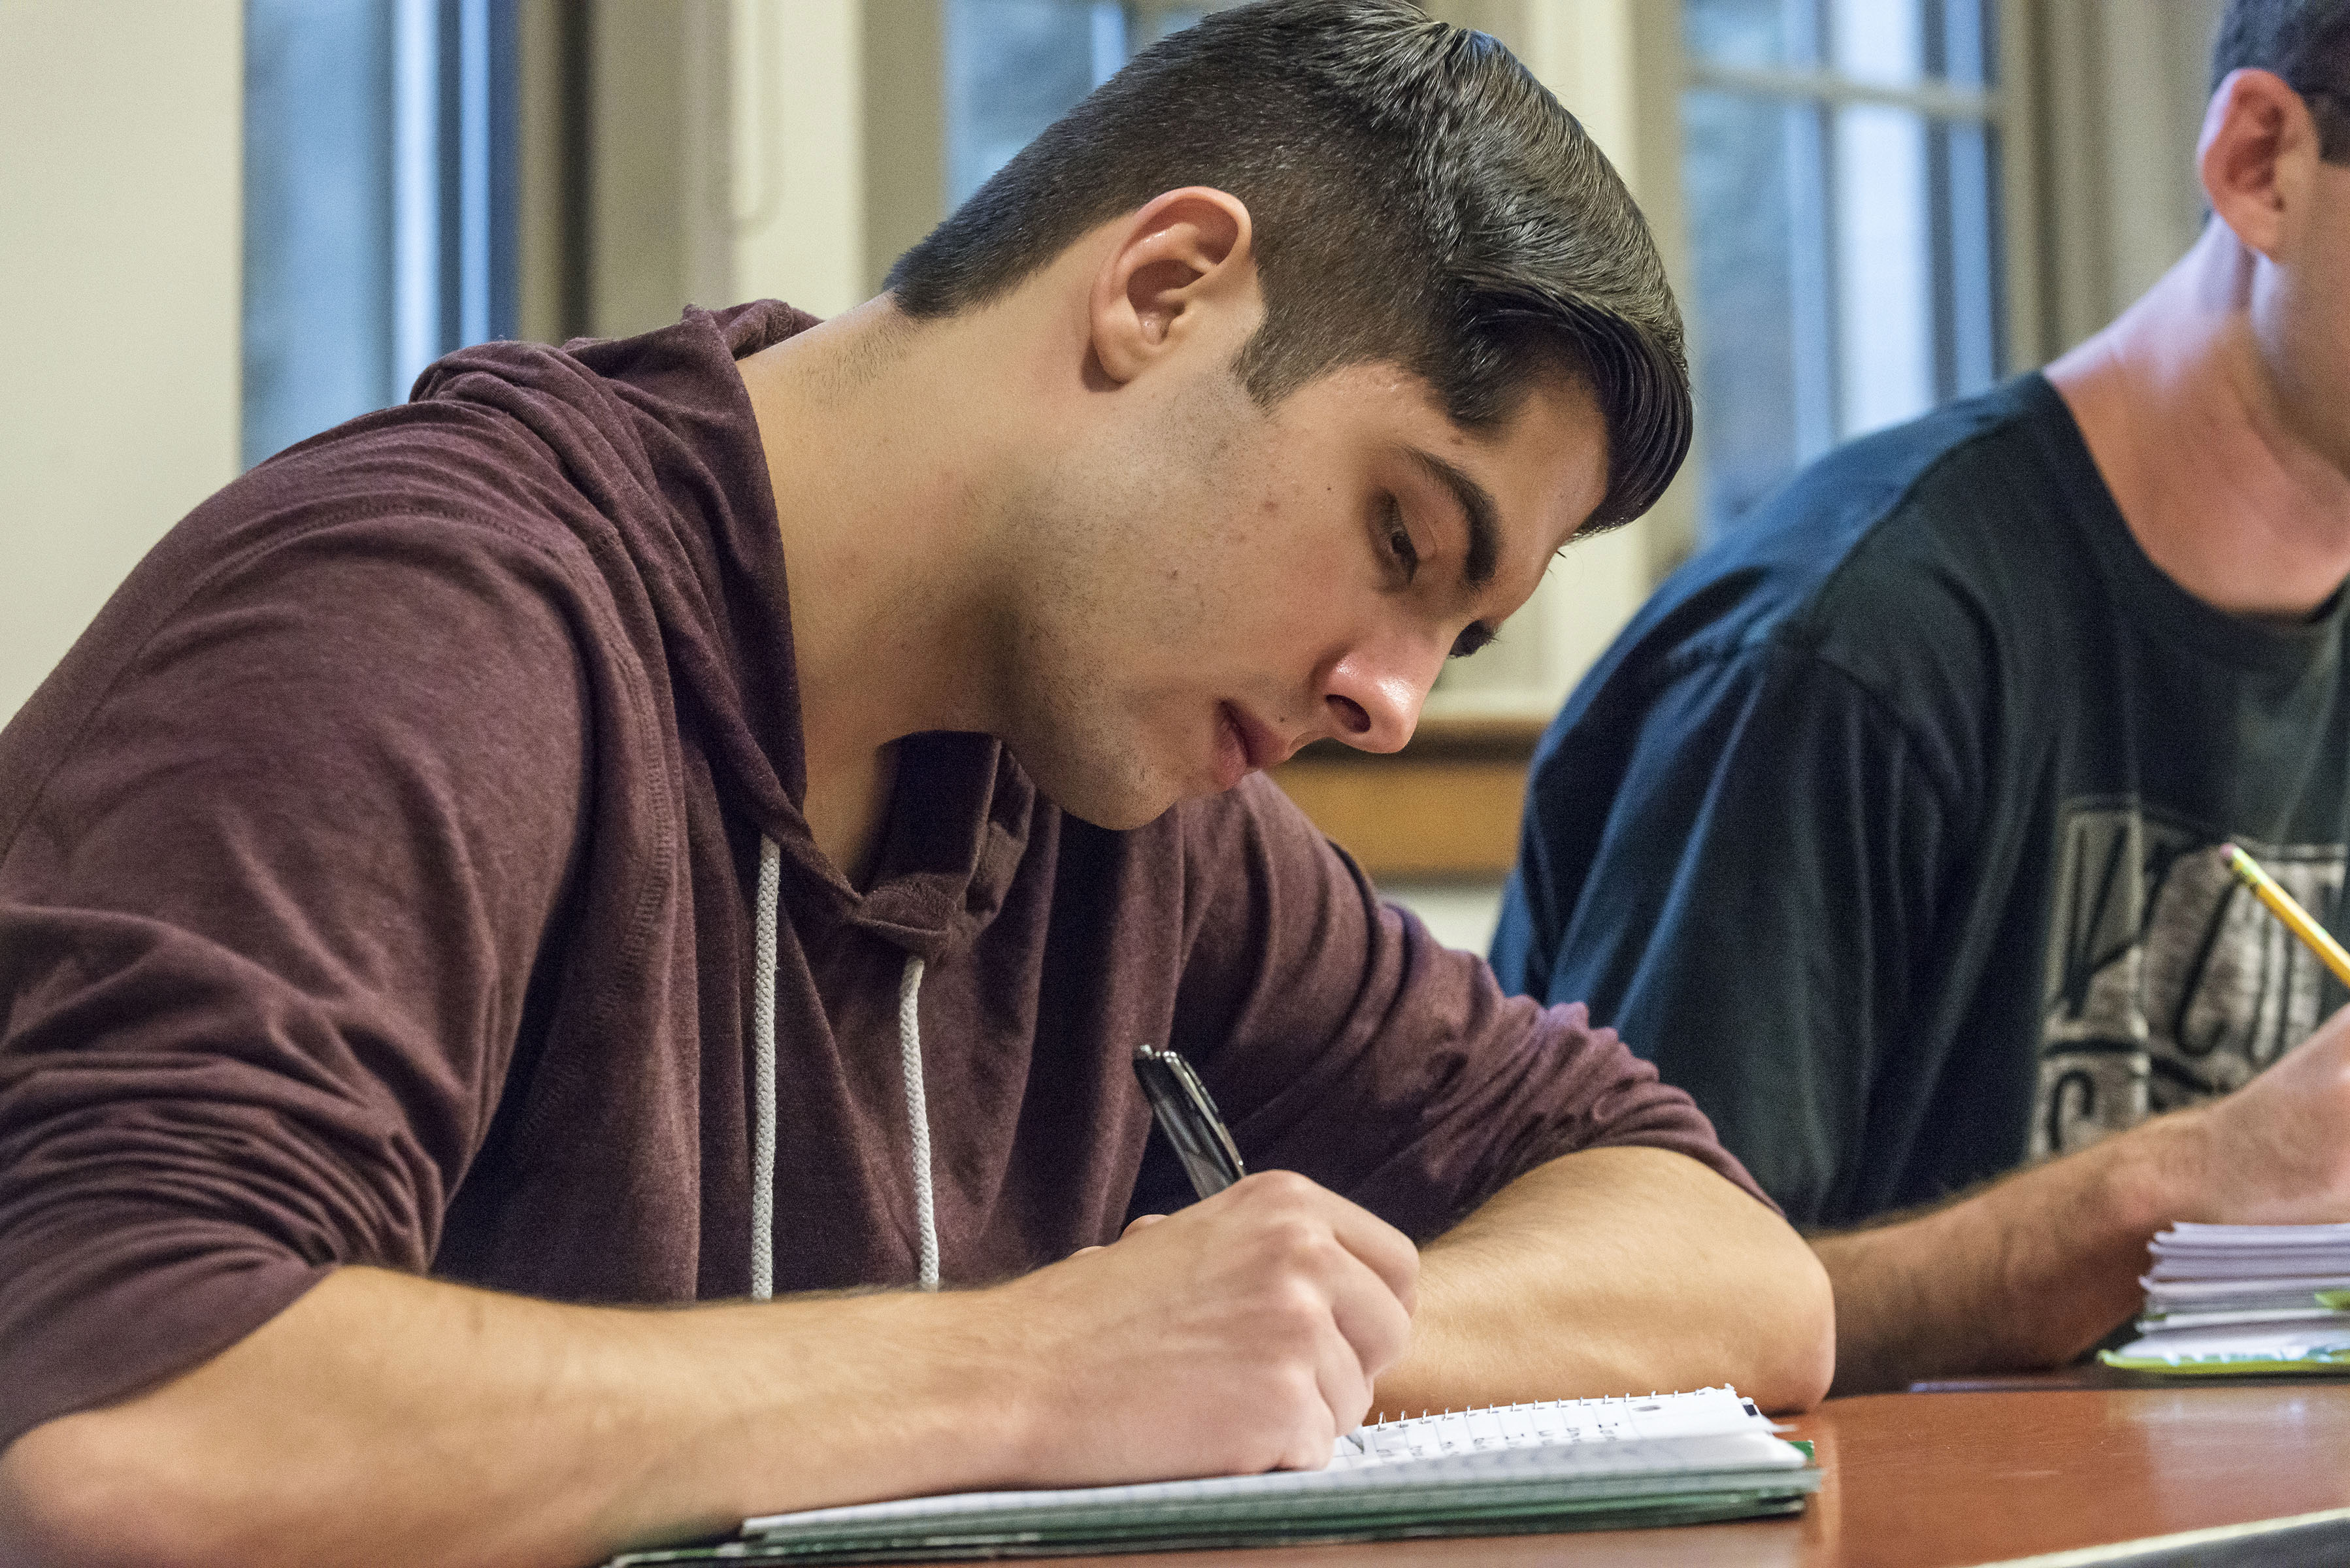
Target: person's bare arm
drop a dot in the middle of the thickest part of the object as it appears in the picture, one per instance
(384, 1419)
(2033, 1269)
(1614, 1270)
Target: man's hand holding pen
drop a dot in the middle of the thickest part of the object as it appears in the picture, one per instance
(1241, 1333)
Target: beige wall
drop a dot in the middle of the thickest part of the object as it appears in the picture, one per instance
(799, 197)
(120, 175)
(727, 156)
(2120, 94)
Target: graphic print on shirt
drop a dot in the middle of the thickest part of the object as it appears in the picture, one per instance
(2167, 982)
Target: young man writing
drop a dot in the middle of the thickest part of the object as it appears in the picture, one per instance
(712, 815)
(1891, 827)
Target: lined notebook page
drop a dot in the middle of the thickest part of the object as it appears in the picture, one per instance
(1712, 1429)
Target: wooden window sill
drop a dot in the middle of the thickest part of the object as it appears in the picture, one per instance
(1445, 807)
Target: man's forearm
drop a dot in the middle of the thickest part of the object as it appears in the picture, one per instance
(2028, 1273)
(1611, 1271)
(384, 1419)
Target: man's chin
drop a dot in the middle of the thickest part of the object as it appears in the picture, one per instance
(1120, 813)
(1093, 794)
(1114, 822)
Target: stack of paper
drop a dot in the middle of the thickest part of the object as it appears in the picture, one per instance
(2245, 1298)
(1672, 1458)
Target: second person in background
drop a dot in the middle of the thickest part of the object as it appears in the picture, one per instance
(1890, 827)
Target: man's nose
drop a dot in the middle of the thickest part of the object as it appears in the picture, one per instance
(1374, 698)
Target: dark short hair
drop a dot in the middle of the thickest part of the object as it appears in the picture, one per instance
(2306, 42)
(1418, 198)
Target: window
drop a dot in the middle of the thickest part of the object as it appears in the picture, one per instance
(378, 202)
(1013, 67)
(1840, 164)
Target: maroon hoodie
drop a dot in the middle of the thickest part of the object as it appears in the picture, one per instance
(377, 885)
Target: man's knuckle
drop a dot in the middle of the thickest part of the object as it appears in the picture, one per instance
(1294, 1308)
(1311, 1245)
(1285, 1241)
(1309, 1453)
(1285, 1187)
(1297, 1393)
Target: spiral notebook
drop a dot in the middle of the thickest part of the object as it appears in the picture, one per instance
(1573, 1464)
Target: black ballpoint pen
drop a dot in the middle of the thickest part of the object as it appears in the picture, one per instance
(1187, 1116)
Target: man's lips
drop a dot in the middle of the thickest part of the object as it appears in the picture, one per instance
(1251, 743)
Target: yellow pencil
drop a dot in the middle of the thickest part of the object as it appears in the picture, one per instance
(2284, 905)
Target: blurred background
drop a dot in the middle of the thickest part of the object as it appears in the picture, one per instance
(228, 224)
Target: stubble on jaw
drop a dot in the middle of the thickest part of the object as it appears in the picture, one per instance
(2310, 364)
(1106, 590)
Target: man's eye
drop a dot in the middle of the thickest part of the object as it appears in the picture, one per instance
(1473, 636)
(1400, 543)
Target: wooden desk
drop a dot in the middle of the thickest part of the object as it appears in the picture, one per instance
(1950, 1480)
(1928, 1479)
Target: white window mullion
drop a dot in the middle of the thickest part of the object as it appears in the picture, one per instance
(415, 191)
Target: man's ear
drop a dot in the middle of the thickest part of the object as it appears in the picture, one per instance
(2256, 156)
(1182, 258)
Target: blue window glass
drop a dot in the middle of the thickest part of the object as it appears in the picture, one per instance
(378, 202)
(1013, 67)
(1840, 159)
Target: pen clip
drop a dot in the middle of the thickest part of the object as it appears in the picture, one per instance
(1187, 1114)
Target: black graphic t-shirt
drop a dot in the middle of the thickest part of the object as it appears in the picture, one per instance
(1889, 827)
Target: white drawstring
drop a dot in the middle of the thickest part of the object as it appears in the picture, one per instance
(917, 1115)
(763, 1074)
(763, 1090)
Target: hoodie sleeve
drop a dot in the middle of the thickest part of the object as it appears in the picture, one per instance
(1341, 1040)
(277, 845)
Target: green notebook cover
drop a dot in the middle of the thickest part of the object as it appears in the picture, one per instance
(1648, 1512)
(1563, 1465)
(2246, 1366)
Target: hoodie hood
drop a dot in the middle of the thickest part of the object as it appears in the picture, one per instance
(669, 420)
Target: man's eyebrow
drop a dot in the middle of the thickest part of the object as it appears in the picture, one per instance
(1484, 532)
